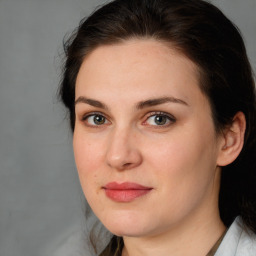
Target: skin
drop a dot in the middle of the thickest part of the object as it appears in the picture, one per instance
(179, 160)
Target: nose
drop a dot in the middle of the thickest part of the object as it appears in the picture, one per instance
(123, 152)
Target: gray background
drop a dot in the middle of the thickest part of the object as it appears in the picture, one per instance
(40, 198)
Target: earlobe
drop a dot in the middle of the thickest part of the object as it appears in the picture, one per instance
(232, 140)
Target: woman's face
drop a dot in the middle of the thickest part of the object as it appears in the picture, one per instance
(144, 140)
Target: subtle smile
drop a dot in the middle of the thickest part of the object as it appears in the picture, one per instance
(125, 192)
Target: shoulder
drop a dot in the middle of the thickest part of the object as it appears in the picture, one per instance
(238, 241)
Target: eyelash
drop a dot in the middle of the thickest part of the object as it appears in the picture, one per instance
(93, 114)
(169, 118)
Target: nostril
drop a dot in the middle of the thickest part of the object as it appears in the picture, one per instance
(126, 164)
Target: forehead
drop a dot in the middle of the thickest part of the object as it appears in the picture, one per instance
(137, 65)
(135, 52)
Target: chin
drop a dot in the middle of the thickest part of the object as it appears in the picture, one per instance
(128, 231)
(124, 224)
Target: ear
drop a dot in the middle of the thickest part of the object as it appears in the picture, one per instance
(232, 140)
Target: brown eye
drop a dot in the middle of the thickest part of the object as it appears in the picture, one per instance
(95, 120)
(98, 119)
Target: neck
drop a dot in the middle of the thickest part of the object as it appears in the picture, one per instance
(194, 235)
(195, 240)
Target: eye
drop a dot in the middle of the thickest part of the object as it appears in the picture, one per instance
(160, 119)
(95, 119)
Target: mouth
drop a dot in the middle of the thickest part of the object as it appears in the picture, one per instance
(125, 192)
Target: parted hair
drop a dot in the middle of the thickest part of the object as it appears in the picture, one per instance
(200, 31)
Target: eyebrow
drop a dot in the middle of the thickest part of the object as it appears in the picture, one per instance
(158, 101)
(94, 103)
(139, 105)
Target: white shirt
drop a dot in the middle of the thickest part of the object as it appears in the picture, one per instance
(238, 241)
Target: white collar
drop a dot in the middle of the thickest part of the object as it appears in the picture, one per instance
(238, 241)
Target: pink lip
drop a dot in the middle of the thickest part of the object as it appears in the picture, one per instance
(125, 192)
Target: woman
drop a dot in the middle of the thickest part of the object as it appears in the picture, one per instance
(162, 105)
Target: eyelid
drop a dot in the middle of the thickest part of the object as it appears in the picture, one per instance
(91, 113)
(87, 115)
(150, 114)
(171, 118)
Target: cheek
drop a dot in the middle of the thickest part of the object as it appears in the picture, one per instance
(175, 151)
(185, 160)
(184, 172)
(89, 157)
(87, 150)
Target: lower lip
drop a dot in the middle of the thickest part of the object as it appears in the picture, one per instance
(125, 195)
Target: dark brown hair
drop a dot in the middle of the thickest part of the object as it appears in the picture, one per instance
(201, 32)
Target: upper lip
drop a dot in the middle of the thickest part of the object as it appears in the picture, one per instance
(125, 186)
